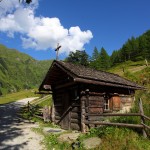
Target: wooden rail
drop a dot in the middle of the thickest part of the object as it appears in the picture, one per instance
(115, 124)
(43, 113)
(142, 126)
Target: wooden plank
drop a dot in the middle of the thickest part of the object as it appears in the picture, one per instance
(65, 85)
(75, 115)
(75, 126)
(114, 114)
(75, 120)
(96, 110)
(75, 109)
(114, 124)
(96, 98)
(95, 118)
(95, 106)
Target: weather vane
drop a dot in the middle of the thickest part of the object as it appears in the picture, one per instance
(57, 50)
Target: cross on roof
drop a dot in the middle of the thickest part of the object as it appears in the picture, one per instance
(57, 50)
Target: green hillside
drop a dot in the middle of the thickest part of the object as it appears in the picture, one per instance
(20, 71)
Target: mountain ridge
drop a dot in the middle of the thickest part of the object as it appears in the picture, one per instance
(20, 71)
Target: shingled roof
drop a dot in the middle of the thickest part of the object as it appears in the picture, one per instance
(88, 75)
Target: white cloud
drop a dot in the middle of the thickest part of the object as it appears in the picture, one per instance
(41, 33)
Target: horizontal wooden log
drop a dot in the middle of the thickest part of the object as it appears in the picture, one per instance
(75, 126)
(92, 93)
(96, 110)
(114, 124)
(75, 115)
(96, 98)
(75, 120)
(114, 114)
(96, 106)
(74, 109)
(95, 118)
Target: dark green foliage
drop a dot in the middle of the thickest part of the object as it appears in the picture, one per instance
(100, 60)
(134, 49)
(95, 59)
(78, 57)
(20, 71)
(104, 60)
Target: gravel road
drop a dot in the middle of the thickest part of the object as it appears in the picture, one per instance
(16, 133)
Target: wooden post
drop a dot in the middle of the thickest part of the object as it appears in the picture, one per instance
(53, 113)
(83, 116)
(28, 106)
(142, 118)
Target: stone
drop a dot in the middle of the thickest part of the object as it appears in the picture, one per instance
(48, 130)
(68, 137)
(91, 143)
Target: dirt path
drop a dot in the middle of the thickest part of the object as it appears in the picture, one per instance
(16, 133)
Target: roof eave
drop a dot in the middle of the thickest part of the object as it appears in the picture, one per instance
(88, 81)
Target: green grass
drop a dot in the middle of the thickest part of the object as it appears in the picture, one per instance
(16, 96)
(128, 66)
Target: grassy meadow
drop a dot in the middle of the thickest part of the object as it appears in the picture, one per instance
(8, 98)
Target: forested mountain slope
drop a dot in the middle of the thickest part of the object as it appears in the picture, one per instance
(134, 49)
(19, 70)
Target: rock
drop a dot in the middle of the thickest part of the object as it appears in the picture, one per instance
(52, 130)
(68, 137)
(91, 143)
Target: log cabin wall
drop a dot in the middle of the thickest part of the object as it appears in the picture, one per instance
(91, 104)
(127, 102)
(67, 107)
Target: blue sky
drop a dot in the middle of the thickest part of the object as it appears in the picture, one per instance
(81, 24)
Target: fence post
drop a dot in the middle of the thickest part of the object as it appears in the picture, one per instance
(142, 118)
(28, 106)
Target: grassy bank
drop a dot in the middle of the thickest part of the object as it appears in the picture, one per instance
(16, 96)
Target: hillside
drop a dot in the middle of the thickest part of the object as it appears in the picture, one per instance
(137, 71)
(20, 71)
(133, 49)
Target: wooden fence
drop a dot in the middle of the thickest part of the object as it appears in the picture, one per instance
(143, 126)
(42, 113)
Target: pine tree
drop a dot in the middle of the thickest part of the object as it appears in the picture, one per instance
(104, 59)
(94, 61)
(78, 57)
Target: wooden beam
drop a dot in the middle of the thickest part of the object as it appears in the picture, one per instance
(114, 124)
(98, 82)
(65, 85)
(114, 114)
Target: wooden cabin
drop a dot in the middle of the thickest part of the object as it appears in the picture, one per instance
(78, 90)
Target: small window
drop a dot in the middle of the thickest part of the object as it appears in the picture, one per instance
(106, 104)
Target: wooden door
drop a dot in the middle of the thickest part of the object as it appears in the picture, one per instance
(65, 123)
